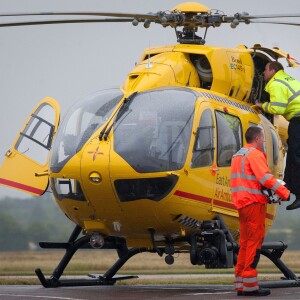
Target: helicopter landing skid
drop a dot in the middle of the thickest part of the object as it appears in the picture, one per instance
(71, 247)
(274, 251)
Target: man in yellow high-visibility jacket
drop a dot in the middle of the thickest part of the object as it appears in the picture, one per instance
(284, 93)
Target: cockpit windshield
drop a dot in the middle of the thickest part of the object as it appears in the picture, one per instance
(80, 123)
(152, 131)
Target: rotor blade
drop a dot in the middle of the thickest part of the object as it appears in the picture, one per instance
(274, 22)
(271, 16)
(46, 22)
(149, 16)
(244, 17)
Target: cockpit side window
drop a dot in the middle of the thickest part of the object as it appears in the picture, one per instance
(80, 123)
(203, 153)
(229, 133)
(36, 139)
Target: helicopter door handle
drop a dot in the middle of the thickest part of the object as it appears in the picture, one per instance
(215, 169)
(172, 174)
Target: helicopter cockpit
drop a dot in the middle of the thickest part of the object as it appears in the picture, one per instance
(153, 132)
(80, 123)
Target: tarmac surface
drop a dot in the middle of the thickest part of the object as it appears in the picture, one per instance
(127, 292)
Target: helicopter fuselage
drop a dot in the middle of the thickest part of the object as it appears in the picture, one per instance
(153, 156)
(162, 161)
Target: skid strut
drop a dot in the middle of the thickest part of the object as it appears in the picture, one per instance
(71, 247)
(274, 251)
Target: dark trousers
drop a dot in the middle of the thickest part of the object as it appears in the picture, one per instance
(292, 168)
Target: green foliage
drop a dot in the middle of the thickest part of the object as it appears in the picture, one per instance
(12, 235)
(26, 222)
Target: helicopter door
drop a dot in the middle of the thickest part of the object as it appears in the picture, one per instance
(202, 166)
(276, 53)
(229, 141)
(25, 166)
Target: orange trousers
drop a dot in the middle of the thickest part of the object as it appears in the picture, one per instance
(252, 231)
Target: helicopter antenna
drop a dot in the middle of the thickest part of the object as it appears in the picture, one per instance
(149, 65)
(206, 29)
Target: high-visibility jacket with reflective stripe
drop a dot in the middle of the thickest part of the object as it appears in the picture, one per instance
(249, 172)
(284, 93)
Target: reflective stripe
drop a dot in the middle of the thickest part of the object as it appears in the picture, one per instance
(250, 284)
(242, 152)
(250, 279)
(244, 160)
(286, 84)
(280, 104)
(274, 104)
(276, 186)
(244, 176)
(295, 94)
(249, 190)
(250, 289)
(265, 178)
(238, 285)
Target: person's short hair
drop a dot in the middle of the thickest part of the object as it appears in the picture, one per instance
(252, 132)
(276, 66)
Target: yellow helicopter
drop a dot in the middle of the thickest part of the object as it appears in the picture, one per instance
(146, 167)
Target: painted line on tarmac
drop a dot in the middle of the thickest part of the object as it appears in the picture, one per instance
(207, 293)
(44, 297)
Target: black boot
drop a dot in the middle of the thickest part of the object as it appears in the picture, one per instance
(295, 204)
(258, 293)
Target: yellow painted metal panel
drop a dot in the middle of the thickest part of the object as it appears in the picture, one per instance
(26, 163)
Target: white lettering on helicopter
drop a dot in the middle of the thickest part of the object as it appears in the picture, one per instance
(237, 64)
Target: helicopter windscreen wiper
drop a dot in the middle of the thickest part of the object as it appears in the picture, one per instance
(106, 130)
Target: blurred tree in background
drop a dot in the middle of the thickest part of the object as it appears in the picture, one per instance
(26, 222)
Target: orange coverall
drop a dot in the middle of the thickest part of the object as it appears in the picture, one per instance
(249, 172)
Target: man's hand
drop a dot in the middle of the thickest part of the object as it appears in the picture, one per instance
(258, 105)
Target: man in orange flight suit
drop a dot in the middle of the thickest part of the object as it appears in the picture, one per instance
(249, 172)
